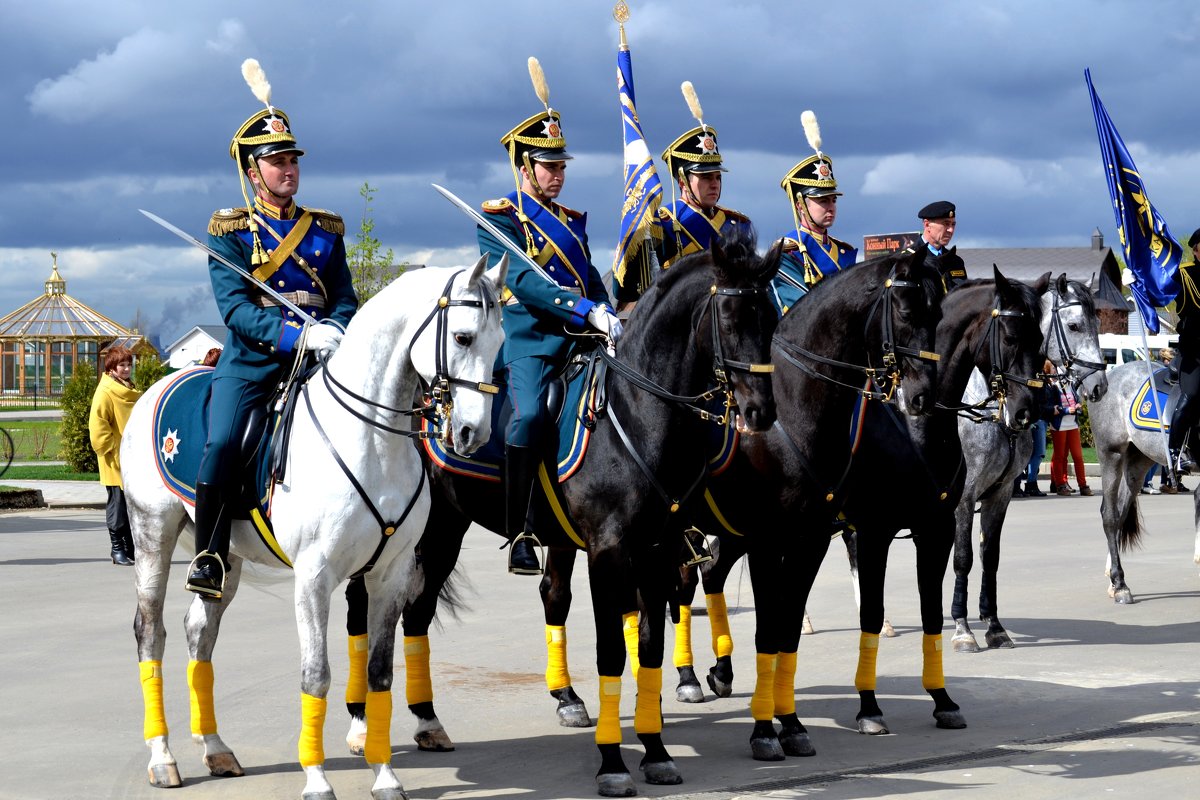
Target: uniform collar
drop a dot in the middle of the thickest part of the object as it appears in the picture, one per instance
(937, 251)
(274, 211)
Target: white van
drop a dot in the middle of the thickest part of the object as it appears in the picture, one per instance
(1119, 348)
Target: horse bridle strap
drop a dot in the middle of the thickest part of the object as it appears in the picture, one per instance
(1064, 344)
(386, 529)
(720, 362)
(999, 376)
(673, 505)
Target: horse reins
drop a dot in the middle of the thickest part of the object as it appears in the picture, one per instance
(1069, 359)
(999, 375)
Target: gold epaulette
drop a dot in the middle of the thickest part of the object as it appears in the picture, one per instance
(790, 245)
(664, 213)
(328, 221)
(736, 216)
(841, 245)
(572, 213)
(228, 220)
(500, 206)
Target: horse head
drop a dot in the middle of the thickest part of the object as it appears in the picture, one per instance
(913, 308)
(1012, 356)
(742, 321)
(454, 351)
(1070, 329)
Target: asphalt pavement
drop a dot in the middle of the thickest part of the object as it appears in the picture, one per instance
(1095, 699)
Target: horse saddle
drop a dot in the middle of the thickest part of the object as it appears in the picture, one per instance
(180, 427)
(1144, 412)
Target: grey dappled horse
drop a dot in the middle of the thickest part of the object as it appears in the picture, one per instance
(1125, 454)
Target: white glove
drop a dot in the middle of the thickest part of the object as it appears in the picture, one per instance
(322, 339)
(606, 322)
(1127, 277)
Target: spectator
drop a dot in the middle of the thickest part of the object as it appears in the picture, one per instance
(1065, 436)
(210, 358)
(111, 406)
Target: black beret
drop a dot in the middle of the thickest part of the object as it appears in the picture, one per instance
(1195, 238)
(938, 209)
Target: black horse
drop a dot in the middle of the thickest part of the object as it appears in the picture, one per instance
(702, 330)
(905, 472)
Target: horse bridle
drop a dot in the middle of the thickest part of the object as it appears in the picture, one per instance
(722, 365)
(885, 379)
(1064, 345)
(1000, 376)
(437, 404)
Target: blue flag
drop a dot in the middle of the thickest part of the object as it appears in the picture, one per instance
(1151, 252)
(643, 190)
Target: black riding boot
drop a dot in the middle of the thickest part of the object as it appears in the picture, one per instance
(1182, 461)
(520, 471)
(119, 554)
(207, 578)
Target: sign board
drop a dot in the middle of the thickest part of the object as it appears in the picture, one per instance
(884, 244)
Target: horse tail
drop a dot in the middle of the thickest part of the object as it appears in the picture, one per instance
(450, 597)
(1130, 535)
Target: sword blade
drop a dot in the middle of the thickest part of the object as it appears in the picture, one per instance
(487, 225)
(225, 262)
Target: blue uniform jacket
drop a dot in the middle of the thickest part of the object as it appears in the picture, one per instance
(537, 314)
(262, 337)
(682, 230)
(806, 260)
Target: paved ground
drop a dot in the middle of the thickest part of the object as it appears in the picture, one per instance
(1095, 699)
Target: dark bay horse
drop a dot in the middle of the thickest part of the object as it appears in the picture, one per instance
(1126, 451)
(996, 454)
(704, 327)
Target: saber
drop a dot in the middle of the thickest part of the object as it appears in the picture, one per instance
(484, 223)
(225, 262)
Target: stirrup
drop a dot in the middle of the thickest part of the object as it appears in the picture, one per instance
(206, 592)
(700, 556)
(536, 544)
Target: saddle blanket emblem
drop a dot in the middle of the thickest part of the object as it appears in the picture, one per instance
(1143, 414)
(179, 426)
(573, 437)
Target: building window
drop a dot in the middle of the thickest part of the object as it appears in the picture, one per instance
(61, 364)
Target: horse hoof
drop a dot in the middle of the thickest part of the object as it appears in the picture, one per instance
(873, 726)
(719, 687)
(765, 749)
(434, 741)
(318, 796)
(357, 744)
(888, 631)
(390, 793)
(616, 784)
(224, 765)
(165, 776)
(806, 628)
(797, 744)
(1122, 597)
(575, 716)
(950, 720)
(965, 644)
(999, 640)
(662, 773)
(689, 693)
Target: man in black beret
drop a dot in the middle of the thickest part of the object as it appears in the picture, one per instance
(1187, 410)
(939, 222)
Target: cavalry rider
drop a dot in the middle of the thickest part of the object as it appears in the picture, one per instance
(939, 221)
(1187, 409)
(296, 251)
(544, 311)
(695, 221)
(810, 253)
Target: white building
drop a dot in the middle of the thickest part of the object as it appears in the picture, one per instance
(190, 348)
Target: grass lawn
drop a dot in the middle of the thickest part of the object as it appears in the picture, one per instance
(49, 472)
(35, 440)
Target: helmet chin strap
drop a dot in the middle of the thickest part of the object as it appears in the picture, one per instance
(530, 173)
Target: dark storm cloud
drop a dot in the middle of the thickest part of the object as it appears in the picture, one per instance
(131, 105)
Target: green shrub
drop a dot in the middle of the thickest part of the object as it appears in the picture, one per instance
(75, 441)
(147, 370)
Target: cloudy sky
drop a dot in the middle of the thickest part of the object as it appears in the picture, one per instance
(115, 106)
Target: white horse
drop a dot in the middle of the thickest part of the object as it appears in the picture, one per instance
(438, 325)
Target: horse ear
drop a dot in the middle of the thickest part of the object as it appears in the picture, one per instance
(1060, 285)
(477, 271)
(773, 260)
(499, 274)
(1004, 286)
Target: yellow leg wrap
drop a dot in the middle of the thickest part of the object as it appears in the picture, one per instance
(155, 723)
(718, 619)
(683, 638)
(630, 624)
(418, 687)
(932, 676)
(762, 702)
(200, 687)
(356, 681)
(868, 652)
(785, 684)
(647, 713)
(312, 730)
(557, 675)
(608, 727)
(378, 749)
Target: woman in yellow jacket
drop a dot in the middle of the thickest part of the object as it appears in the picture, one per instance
(111, 405)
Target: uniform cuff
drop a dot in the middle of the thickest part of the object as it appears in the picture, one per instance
(288, 337)
(582, 307)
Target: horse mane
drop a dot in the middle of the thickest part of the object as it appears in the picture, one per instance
(741, 261)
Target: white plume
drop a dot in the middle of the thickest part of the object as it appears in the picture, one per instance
(812, 131)
(540, 87)
(256, 79)
(689, 94)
